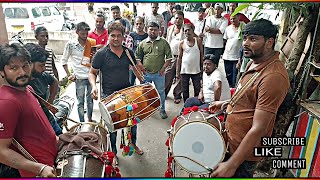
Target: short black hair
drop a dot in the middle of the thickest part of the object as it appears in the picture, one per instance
(82, 26)
(37, 53)
(215, 59)
(153, 24)
(177, 7)
(116, 26)
(100, 14)
(7, 52)
(179, 12)
(115, 7)
(189, 25)
(40, 29)
(261, 27)
(202, 9)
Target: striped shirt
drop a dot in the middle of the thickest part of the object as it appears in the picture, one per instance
(52, 57)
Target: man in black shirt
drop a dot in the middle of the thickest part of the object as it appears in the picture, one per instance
(113, 63)
(44, 84)
(137, 36)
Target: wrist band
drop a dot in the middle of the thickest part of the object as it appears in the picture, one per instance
(42, 168)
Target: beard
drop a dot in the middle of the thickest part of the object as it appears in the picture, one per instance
(16, 84)
(36, 74)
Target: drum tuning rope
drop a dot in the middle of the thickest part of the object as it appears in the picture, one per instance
(205, 167)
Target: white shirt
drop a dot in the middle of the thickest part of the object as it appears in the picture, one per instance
(190, 59)
(199, 28)
(74, 51)
(233, 44)
(208, 86)
(215, 40)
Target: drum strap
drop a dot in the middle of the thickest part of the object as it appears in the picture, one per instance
(25, 153)
(49, 106)
(137, 72)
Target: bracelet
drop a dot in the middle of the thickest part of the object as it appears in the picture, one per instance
(42, 168)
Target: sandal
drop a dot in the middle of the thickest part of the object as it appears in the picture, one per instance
(177, 101)
(137, 150)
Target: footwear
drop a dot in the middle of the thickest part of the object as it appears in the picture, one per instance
(137, 150)
(163, 114)
(177, 101)
(115, 161)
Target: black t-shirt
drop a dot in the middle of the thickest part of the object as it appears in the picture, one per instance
(137, 38)
(115, 70)
(41, 86)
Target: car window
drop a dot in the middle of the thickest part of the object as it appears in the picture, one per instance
(54, 11)
(46, 11)
(21, 13)
(36, 12)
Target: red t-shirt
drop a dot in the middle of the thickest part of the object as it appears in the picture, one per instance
(100, 39)
(22, 118)
(242, 18)
(185, 21)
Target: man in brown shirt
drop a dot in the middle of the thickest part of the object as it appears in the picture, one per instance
(253, 115)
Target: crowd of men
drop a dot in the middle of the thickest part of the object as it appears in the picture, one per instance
(166, 48)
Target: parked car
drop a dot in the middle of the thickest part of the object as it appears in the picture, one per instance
(28, 17)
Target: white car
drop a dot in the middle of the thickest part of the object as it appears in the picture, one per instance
(28, 17)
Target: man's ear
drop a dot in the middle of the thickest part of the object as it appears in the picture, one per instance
(2, 74)
(270, 43)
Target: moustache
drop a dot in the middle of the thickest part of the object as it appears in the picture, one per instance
(21, 77)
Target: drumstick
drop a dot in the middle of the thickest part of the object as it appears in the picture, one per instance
(205, 167)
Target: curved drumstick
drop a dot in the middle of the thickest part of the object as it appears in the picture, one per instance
(205, 167)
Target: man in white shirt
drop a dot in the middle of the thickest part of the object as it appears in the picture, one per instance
(231, 54)
(74, 50)
(215, 85)
(215, 27)
(199, 24)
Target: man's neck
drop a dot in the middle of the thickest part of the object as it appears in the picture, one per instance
(116, 48)
(82, 42)
(264, 58)
(140, 32)
(14, 87)
(154, 14)
(218, 16)
(99, 30)
(178, 26)
(190, 39)
(42, 45)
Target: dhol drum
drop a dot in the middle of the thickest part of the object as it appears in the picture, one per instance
(114, 108)
(75, 147)
(196, 142)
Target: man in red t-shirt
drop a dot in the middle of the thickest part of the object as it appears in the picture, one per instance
(22, 118)
(100, 34)
(232, 8)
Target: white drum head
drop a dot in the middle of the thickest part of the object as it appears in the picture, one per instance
(106, 117)
(201, 142)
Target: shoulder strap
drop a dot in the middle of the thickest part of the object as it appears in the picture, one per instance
(238, 94)
(24, 152)
(136, 71)
(49, 106)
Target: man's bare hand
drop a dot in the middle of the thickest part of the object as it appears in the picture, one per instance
(48, 172)
(94, 93)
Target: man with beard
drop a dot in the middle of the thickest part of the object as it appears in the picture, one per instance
(113, 63)
(22, 118)
(155, 17)
(100, 34)
(44, 84)
(74, 50)
(252, 116)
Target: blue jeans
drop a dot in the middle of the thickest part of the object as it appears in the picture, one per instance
(231, 72)
(113, 135)
(159, 82)
(83, 88)
(194, 101)
(132, 77)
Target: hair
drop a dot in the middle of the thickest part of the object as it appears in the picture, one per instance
(179, 12)
(115, 8)
(189, 25)
(261, 27)
(157, 4)
(37, 53)
(7, 52)
(39, 29)
(140, 18)
(212, 57)
(237, 15)
(153, 24)
(116, 26)
(177, 7)
(100, 14)
(82, 26)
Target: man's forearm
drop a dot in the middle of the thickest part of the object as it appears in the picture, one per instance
(166, 64)
(92, 79)
(65, 67)
(53, 91)
(17, 161)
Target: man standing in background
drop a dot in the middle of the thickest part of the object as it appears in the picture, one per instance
(155, 17)
(100, 34)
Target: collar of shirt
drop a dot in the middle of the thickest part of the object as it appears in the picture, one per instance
(149, 40)
(95, 32)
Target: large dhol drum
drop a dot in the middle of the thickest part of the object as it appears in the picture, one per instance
(114, 108)
(196, 142)
(75, 148)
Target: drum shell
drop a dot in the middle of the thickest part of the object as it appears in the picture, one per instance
(80, 165)
(145, 95)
